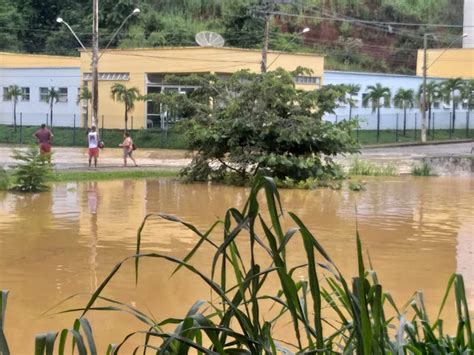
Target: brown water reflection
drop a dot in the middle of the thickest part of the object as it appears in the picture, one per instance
(52, 245)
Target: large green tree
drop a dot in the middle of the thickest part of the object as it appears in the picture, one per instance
(128, 96)
(404, 99)
(378, 96)
(52, 98)
(352, 90)
(260, 121)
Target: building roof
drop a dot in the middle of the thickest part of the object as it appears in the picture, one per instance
(23, 60)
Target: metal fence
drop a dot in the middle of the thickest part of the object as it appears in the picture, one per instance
(398, 127)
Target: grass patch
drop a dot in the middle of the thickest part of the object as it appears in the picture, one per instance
(367, 168)
(366, 137)
(424, 169)
(92, 175)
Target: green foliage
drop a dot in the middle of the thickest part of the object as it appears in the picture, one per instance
(128, 96)
(357, 186)
(424, 169)
(367, 168)
(4, 180)
(324, 312)
(260, 121)
(31, 172)
(4, 350)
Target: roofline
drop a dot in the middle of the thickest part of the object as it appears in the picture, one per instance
(207, 48)
(39, 55)
(381, 74)
(41, 68)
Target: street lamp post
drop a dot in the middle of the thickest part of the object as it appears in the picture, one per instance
(425, 74)
(305, 30)
(95, 53)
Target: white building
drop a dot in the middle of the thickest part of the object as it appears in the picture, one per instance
(35, 75)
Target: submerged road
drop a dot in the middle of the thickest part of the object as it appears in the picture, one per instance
(111, 158)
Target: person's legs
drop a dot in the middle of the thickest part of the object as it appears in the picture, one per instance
(133, 159)
(125, 154)
(95, 161)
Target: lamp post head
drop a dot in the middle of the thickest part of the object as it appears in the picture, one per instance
(305, 30)
(136, 11)
(59, 20)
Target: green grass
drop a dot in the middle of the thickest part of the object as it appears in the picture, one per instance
(69, 137)
(366, 168)
(324, 312)
(389, 136)
(59, 176)
(424, 169)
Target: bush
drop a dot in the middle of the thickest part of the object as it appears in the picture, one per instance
(422, 170)
(4, 180)
(32, 171)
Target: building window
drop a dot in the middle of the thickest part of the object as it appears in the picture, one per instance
(5, 94)
(25, 94)
(62, 95)
(307, 80)
(44, 94)
(436, 105)
(365, 104)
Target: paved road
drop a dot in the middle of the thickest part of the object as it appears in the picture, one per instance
(76, 158)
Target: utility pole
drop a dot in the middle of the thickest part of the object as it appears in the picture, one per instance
(423, 97)
(266, 33)
(95, 62)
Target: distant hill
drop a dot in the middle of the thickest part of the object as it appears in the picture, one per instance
(336, 30)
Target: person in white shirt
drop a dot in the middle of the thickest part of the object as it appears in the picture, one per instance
(93, 143)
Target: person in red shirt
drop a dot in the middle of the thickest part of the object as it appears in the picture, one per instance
(44, 137)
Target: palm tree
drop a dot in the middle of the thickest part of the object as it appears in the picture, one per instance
(127, 96)
(352, 90)
(52, 97)
(13, 93)
(467, 95)
(451, 90)
(85, 95)
(375, 95)
(433, 93)
(404, 99)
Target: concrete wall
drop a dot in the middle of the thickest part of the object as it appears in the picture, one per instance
(388, 115)
(453, 63)
(138, 62)
(34, 111)
(468, 42)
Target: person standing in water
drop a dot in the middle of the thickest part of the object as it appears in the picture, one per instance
(93, 143)
(127, 146)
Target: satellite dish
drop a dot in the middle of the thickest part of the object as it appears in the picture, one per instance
(209, 39)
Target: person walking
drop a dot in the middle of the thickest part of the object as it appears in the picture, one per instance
(127, 146)
(93, 139)
(44, 137)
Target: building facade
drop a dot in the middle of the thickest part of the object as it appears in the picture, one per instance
(447, 63)
(35, 75)
(145, 69)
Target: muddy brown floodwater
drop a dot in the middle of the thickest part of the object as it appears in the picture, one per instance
(418, 231)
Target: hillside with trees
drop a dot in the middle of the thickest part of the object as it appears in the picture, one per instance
(336, 27)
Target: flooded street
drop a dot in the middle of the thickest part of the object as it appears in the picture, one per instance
(417, 231)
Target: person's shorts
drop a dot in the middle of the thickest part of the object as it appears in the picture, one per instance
(127, 153)
(45, 148)
(93, 152)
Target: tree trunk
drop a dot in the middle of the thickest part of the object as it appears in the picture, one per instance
(14, 115)
(51, 114)
(126, 117)
(378, 124)
(350, 111)
(454, 114)
(404, 121)
(429, 118)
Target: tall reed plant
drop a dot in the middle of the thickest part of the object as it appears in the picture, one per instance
(326, 313)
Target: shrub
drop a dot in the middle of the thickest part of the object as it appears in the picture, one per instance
(4, 180)
(422, 170)
(32, 171)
